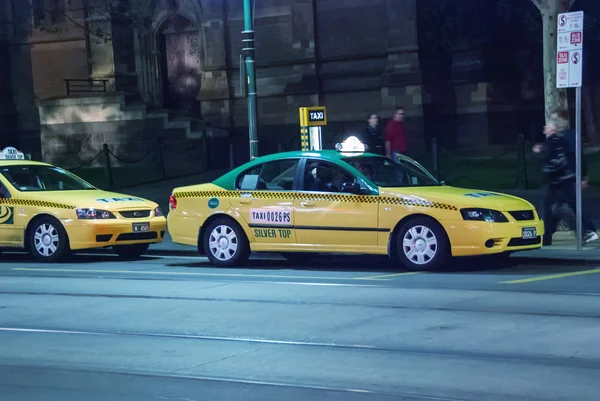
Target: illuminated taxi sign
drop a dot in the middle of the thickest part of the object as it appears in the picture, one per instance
(11, 154)
(313, 116)
(351, 145)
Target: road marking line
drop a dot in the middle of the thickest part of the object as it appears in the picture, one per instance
(186, 274)
(551, 277)
(386, 276)
(313, 284)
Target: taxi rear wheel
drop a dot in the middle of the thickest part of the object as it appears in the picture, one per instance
(131, 252)
(47, 240)
(422, 244)
(225, 243)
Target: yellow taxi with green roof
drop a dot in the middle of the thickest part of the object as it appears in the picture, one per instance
(347, 201)
(49, 212)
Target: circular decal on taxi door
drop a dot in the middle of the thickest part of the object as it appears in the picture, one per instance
(6, 215)
(213, 203)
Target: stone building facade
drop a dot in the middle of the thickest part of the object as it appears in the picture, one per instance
(178, 78)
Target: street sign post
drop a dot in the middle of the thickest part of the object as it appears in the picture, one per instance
(569, 74)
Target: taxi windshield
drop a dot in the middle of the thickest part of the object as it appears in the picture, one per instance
(33, 177)
(383, 172)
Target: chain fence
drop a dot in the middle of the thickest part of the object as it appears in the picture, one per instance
(111, 169)
(515, 166)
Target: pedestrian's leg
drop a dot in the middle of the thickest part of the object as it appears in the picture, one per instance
(546, 215)
(589, 229)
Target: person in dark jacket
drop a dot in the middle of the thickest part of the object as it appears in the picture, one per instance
(372, 136)
(559, 170)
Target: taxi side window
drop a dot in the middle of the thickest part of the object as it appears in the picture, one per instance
(322, 176)
(4, 192)
(271, 176)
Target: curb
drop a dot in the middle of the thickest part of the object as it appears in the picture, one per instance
(192, 252)
(517, 258)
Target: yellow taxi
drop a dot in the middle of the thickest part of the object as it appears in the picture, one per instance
(351, 202)
(50, 211)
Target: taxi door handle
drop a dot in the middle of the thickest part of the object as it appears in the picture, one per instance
(245, 201)
(308, 203)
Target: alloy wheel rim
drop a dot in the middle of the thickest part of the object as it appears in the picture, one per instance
(420, 245)
(46, 240)
(223, 243)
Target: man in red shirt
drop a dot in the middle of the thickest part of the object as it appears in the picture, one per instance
(395, 135)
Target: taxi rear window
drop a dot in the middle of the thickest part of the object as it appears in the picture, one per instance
(29, 178)
(385, 173)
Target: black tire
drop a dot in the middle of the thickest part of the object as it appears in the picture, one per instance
(223, 233)
(47, 240)
(131, 252)
(429, 244)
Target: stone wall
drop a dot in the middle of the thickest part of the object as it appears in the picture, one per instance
(74, 131)
(370, 67)
(353, 57)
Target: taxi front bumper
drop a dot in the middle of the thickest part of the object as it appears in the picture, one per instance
(471, 238)
(87, 234)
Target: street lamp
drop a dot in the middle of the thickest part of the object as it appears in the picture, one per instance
(248, 48)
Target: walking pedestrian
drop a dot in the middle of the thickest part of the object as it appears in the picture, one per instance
(559, 171)
(395, 135)
(372, 135)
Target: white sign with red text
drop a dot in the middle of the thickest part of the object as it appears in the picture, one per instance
(569, 58)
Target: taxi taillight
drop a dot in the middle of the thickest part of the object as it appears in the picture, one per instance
(172, 203)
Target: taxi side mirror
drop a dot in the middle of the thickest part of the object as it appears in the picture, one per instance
(351, 187)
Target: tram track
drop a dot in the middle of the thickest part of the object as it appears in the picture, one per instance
(321, 303)
(315, 390)
(573, 362)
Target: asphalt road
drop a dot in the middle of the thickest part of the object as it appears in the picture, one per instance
(350, 329)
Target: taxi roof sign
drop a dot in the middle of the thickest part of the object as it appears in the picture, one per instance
(351, 144)
(11, 153)
(313, 116)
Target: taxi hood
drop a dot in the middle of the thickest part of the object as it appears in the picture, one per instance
(97, 199)
(461, 197)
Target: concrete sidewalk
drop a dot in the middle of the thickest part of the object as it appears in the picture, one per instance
(564, 247)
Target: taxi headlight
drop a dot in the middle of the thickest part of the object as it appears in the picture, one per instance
(491, 216)
(94, 214)
(158, 212)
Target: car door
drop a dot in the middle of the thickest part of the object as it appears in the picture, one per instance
(327, 216)
(267, 200)
(10, 233)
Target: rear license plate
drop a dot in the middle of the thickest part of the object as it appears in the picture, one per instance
(141, 227)
(528, 233)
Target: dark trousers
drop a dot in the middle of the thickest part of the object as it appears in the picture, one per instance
(553, 194)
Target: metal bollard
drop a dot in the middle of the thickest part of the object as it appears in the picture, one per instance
(434, 151)
(107, 165)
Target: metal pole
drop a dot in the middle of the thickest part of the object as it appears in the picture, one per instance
(434, 153)
(248, 48)
(578, 191)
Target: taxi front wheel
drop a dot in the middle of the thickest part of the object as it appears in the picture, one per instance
(47, 240)
(225, 243)
(421, 244)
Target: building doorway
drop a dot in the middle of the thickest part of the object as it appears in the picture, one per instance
(179, 45)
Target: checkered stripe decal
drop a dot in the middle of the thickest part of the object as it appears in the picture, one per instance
(304, 138)
(37, 203)
(314, 196)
